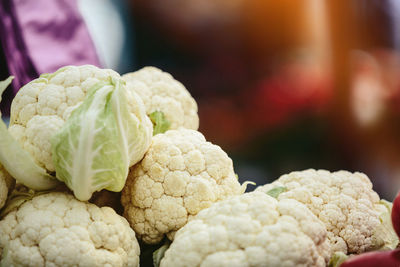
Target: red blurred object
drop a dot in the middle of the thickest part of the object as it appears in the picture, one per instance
(375, 259)
(222, 122)
(396, 214)
(296, 88)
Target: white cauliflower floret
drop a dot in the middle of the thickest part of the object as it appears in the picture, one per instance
(252, 229)
(161, 92)
(345, 202)
(180, 175)
(6, 184)
(55, 229)
(41, 107)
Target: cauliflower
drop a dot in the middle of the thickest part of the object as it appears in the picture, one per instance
(180, 175)
(6, 184)
(252, 229)
(81, 122)
(55, 229)
(356, 219)
(161, 92)
(41, 107)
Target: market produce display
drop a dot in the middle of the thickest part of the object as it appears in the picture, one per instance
(105, 165)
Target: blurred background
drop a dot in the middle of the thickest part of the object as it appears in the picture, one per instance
(281, 85)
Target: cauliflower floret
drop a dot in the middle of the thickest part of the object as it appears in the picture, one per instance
(252, 229)
(161, 92)
(41, 108)
(55, 229)
(345, 202)
(6, 184)
(180, 175)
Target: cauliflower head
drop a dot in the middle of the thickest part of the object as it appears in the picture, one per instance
(55, 229)
(252, 229)
(161, 92)
(6, 184)
(41, 107)
(180, 175)
(345, 202)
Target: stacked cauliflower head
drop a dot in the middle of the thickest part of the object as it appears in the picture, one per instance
(252, 229)
(180, 175)
(55, 229)
(356, 219)
(6, 184)
(42, 106)
(161, 92)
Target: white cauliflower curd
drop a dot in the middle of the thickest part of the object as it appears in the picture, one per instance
(41, 107)
(55, 229)
(80, 125)
(161, 92)
(252, 229)
(180, 175)
(356, 219)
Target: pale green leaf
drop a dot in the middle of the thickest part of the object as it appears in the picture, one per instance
(337, 259)
(275, 192)
(98, 143)
(160, 123)
(159, 253)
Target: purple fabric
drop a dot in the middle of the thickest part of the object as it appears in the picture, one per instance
(18, 61)
(40, 36)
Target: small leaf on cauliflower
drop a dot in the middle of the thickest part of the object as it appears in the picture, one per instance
(159, 253)
(160, 123)
(276, 191)
(337, 259)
